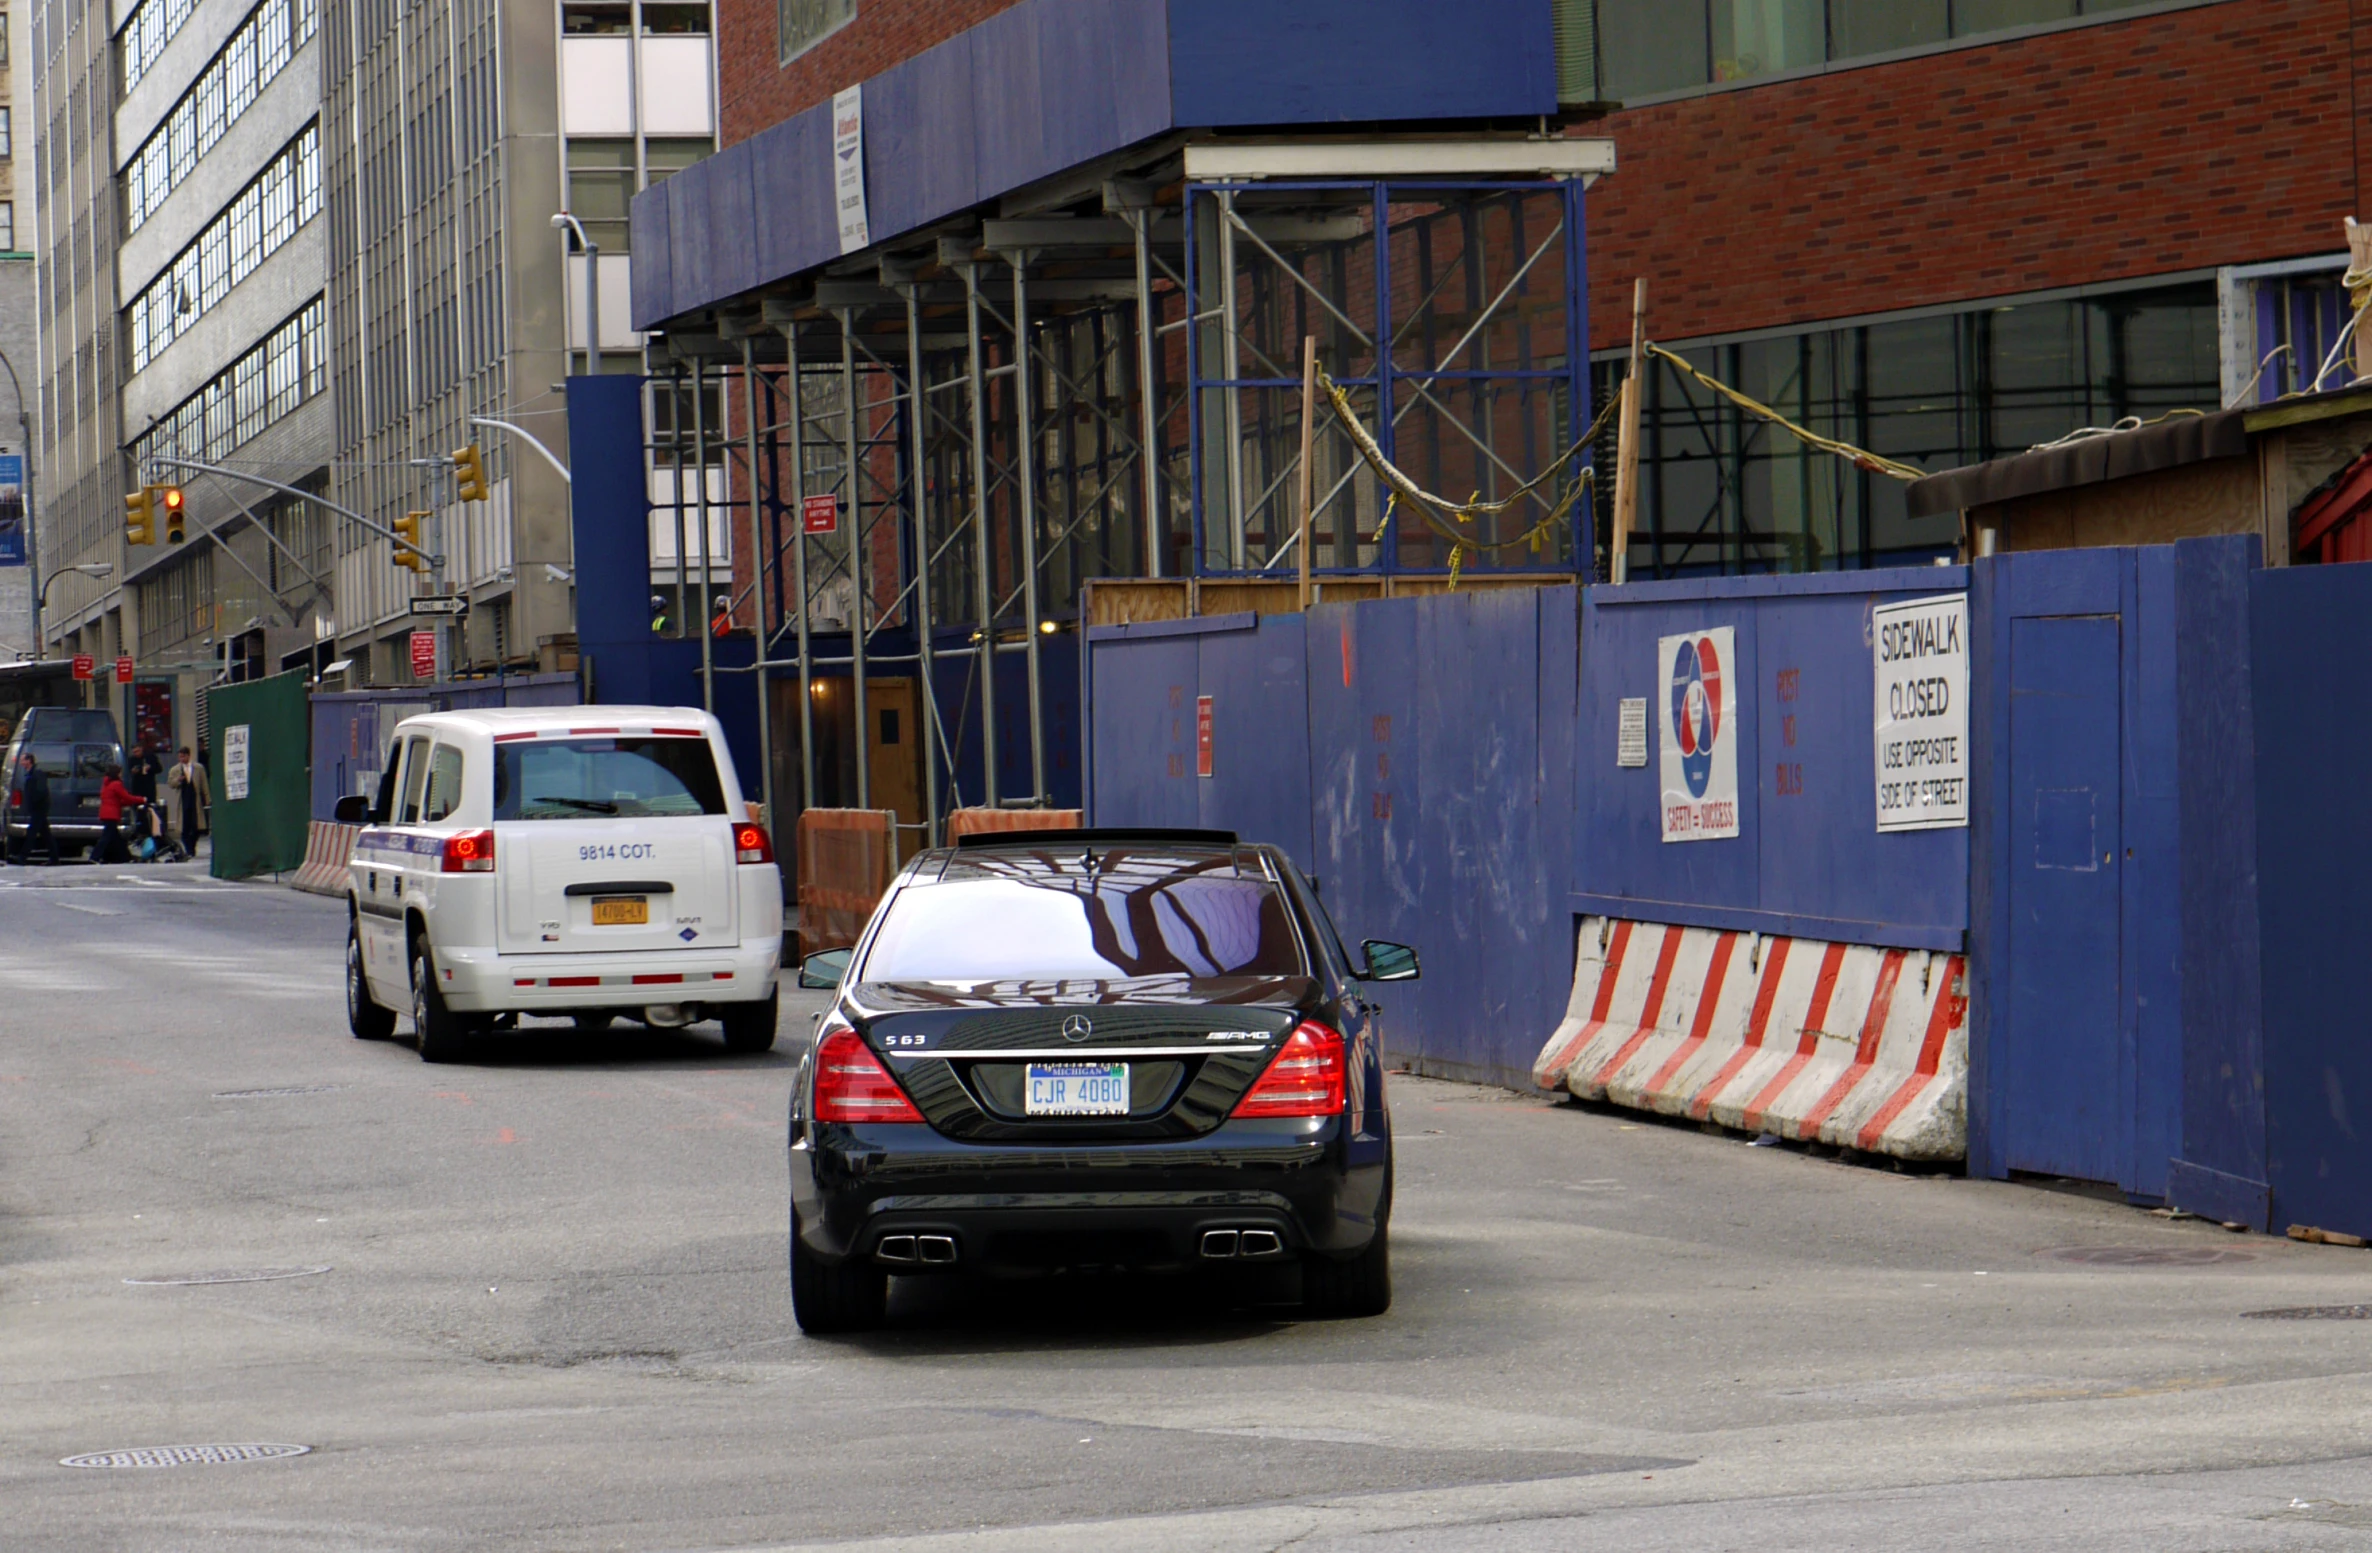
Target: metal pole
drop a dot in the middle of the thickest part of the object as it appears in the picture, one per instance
(856, 557)
(1025, 467)
(757, 533)
(1232, 365)
(982, 586)
(708, 684)
(918, 408)
(592, 308)
(798, 418)
(1148, 452)
(1309, 417)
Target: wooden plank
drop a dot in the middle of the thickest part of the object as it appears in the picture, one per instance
(1129, 601)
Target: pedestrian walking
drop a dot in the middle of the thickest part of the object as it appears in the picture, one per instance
(34, 789)
(187, 779)
(114, 798)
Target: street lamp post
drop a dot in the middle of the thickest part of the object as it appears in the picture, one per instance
(24, 426)
(564, 223)
(41, 594)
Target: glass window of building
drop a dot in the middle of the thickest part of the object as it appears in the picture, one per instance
(675, 18)
(1642, 48)
(801, 24)
(586, 20)
(1724, 493)
(600, 187)
(664, 158)
(7, 226)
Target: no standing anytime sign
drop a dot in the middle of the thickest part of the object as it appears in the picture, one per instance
(1920, 651)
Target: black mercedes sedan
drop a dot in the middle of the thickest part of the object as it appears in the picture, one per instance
(1097, 1049)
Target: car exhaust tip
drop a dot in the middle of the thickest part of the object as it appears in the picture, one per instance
(669, 1016)
(895, 1248)
(1219, 1243)
(1260, 1242)
(938, 1250)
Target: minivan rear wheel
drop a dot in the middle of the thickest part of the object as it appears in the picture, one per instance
(364, 1016)
(749, 1027)
(439, 1029)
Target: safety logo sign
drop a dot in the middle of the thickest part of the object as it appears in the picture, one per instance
(1700, 734)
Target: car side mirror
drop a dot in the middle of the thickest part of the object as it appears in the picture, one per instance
(823, 969)
(353, 809)
(1388, 962)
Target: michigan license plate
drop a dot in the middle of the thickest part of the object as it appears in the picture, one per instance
(622, 911)
(1077, 1089)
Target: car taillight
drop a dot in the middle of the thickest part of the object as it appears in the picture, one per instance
(470, 853)
(1305, 1080)
(751, 844)
(851, 1085)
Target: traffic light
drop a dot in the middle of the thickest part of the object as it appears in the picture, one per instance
(169, 498)
(140, 518)
(469, 473)
(407, 546)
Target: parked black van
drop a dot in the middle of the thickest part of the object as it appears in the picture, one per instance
(75, 746)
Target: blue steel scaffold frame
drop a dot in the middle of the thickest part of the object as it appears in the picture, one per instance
(1388, 379)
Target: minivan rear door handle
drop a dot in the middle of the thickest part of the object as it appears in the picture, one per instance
(623, 887)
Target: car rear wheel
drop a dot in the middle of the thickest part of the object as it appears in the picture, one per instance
(440, 1030)
(749, 1027)
(1361, 1286)
(825, 1298)
(364, 1016)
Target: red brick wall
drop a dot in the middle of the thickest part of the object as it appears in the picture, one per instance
(753, 91)
(2221, 135)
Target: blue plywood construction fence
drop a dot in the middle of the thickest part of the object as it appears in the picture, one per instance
(1415, 755)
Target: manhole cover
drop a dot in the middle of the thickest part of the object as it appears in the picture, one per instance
(226, 1275)
(2311, 1313)
(275, 1094)
(2146, 1256)
(183, 1455)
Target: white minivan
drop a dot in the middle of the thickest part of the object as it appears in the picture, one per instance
(563, 862)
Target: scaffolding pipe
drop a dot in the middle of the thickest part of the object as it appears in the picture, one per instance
(1149, 413)
(708, 673)
(1231, 362)
(675, 443)
(918, 497)
(758, 540)
(981, 582)
(856, 553)
(797, 415)
(1026, 472)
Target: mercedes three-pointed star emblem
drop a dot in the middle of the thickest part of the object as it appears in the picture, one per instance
(1077, 1028)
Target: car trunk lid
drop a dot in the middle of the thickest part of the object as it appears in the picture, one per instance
(1073, 1063)
(606, 884)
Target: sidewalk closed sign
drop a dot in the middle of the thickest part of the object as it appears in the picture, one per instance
(234, 762)
(1920, 651)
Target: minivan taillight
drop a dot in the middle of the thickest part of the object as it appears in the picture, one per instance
(1305, 1080)
(471, 852)
(751, 844)
(851, 1085)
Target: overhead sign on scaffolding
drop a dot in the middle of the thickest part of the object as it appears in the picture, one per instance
(848, 167)
(1700, 734)
(1919, 649)
(12, 509)
(819, 514)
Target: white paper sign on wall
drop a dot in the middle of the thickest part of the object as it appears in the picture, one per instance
(1919, 649)
(1630, 735)
(848, 167)
(1698, 713)
(234, 762)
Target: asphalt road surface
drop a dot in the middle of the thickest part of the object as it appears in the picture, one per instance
(541, 1304)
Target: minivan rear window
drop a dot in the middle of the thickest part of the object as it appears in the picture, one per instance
(576, 779)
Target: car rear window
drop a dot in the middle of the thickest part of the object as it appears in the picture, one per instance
(576, 779)
(1100, 918)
